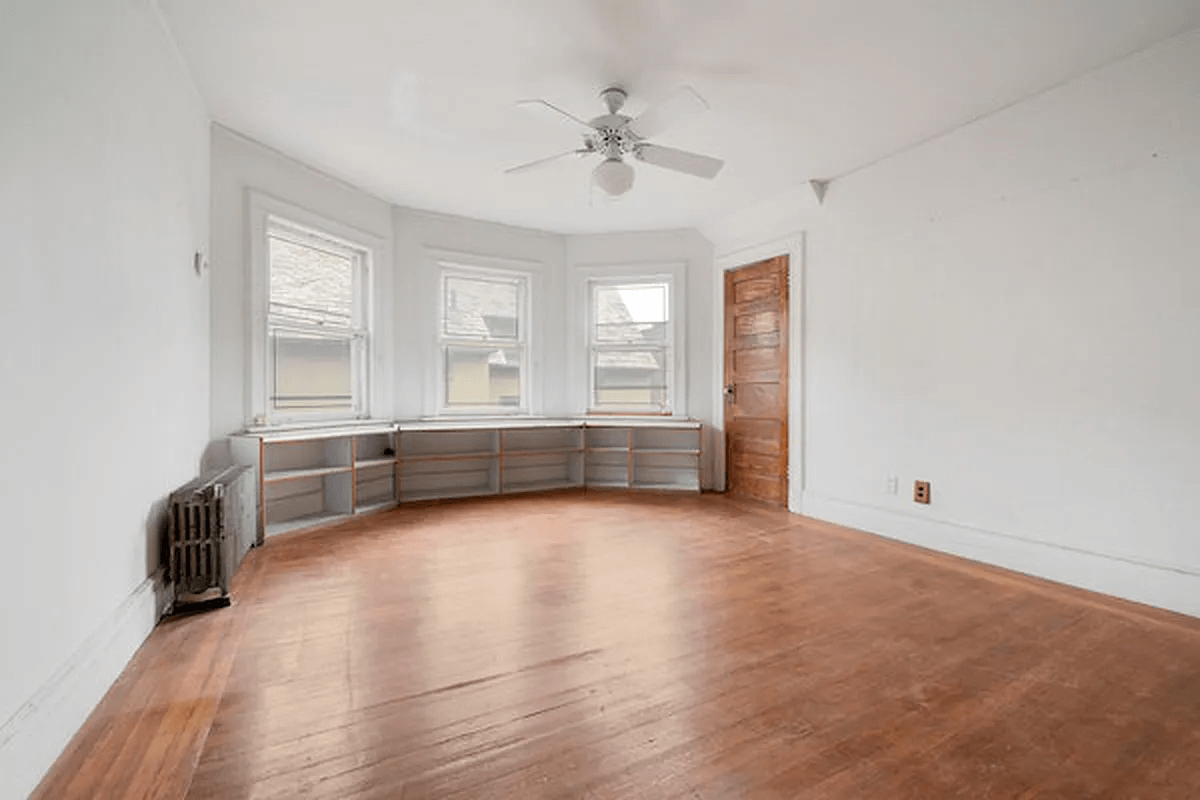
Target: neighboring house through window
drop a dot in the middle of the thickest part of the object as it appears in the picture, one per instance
(484, 341)
(317, 324)
(630, 346)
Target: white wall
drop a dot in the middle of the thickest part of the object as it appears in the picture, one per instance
(1012, 312)
(103, 201)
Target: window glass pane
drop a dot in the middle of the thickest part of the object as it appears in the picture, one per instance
(312, 373)
(630, 378)
(480, 308)
(631, 314)
(483, 376)
(309, 286)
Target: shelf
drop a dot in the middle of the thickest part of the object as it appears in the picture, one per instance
(513, 422)
(450, 456)
(409, 475)
(375, 462)
(552, 452)
(451, 494)
(608, 449)
(540, 487)
(377, 505)
(607, 484)
(300, 433)
(648, 421)
(661, 451)
(667, 487)
(301, 523)
(295, 474)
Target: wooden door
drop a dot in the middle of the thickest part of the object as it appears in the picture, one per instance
(756, 381)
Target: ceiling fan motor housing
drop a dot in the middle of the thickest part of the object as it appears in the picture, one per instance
(614, 140)
(614, 98)
(612, 135)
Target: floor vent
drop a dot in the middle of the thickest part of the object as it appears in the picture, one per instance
(210, 528)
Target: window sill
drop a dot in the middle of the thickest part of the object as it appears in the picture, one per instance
(316, 425)
(594, 413)
(480, 414)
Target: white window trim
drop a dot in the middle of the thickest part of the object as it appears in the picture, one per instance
(525, 324)
(669, 345)
(674, 273)
(264, 211)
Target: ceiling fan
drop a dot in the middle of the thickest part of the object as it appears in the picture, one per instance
(615, 135)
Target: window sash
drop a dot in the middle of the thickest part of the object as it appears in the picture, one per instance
(462, 388)
(627, 384)
(452, 396)
(318, 324)
(517, 285)
(285, 401)
(625, 392)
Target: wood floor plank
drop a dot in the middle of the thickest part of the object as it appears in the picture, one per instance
(607, 645)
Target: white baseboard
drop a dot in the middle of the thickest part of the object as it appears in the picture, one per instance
(33, 738)
(1159, 585)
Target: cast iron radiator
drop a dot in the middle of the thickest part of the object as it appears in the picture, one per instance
(210, 528)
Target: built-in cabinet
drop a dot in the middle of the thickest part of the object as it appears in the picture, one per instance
(309, 477)
(442, 460)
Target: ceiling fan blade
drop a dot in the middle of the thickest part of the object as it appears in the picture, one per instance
(680, 160)
(676, 107)
(543, 161)
(553, 112)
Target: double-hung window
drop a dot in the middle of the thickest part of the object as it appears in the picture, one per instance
(484, 338)
(316, 353)
(630, 344)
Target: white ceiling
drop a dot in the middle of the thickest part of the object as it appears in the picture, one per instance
(413, 100)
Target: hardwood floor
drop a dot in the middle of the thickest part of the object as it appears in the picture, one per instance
(589, 645)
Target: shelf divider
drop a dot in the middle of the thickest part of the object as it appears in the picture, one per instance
(307, 472)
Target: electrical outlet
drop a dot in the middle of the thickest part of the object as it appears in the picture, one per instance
(921, 493)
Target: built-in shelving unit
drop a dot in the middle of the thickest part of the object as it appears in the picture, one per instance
(541, 459)
(375, 467)
(446, 459)
(448, 462)
(313, 476)
(666, 458)
(606, 459)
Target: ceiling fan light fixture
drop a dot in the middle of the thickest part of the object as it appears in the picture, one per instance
(614, 176)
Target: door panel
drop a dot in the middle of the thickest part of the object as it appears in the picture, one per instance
(756, 322)
(755, 464)
(756, 401)
(766, 489)
(759, 364)
(746, 325)
(756, 288)
(757, 436)
(769, 340)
